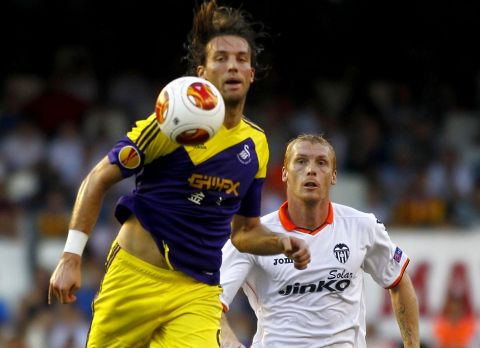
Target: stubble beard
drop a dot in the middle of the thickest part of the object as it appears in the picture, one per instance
(235, 102)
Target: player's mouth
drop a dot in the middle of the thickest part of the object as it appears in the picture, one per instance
(233, 83)
(310, 185)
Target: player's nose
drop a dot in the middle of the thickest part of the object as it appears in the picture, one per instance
(232, 64)
(311, 169)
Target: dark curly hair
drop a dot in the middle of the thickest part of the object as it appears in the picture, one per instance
(210, 21)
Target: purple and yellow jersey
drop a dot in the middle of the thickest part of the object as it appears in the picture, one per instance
(186, 196)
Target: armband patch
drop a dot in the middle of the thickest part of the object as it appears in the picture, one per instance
(397, 256)
(129, 157)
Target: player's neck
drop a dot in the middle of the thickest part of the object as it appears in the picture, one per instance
(308, 215)
(232, 119)
(233, 115)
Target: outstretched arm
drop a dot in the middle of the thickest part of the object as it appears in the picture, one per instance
(250, 236)
(404, 302)
(66, 278)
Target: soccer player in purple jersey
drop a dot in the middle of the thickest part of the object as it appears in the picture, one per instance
(161, 286)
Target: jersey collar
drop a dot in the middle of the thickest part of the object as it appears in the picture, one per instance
(290, 226)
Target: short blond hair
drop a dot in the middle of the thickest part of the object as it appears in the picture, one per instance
(312, 138)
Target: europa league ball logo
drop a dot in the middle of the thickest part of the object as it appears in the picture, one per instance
(202, 96)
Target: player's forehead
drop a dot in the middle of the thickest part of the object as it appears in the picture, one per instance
(304, 148)
(228, 44)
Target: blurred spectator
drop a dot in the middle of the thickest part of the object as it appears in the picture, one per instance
(303, 119)
(9, 214)
(38, 329)
(105, 123)
(5, 317)
(475, 202)
(397, 174)
(74, 63)
(376, 202)
(35, 301)
(451, 179)
(423, 138)
(366, 144)
(417, 207)
(54, 106)
(19, 89)
(271, 117)
(54, 216)
(66, 154)
(70, 328)
(17, 341)
(23, 186)
(131, 91)
(455, 327)
(375, 340)
(23, 148)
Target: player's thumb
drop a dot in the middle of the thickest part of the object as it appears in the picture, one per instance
(286, 244)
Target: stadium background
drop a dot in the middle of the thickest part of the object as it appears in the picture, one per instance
(395, 86)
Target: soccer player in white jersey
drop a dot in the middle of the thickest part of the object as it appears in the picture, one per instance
(323, 306)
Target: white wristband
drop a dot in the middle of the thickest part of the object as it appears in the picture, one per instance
(76, 242)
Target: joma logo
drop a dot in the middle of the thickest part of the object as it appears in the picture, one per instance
(282, 261)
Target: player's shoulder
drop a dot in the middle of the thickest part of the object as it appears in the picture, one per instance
(147, 138)
(252, 131)
(271, 218)
(346, 212)
(146, 131)
(255, 128)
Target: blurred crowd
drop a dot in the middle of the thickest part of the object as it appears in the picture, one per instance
(413, 152)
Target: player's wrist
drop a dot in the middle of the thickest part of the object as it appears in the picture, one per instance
(76, 242)
(284, 244)
(279, 243)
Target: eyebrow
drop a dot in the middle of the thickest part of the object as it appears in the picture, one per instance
(229, 52)
(302, 155)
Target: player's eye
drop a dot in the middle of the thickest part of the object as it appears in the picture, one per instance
(219, 58)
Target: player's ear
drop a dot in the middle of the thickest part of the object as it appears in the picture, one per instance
(252, 75)
(334, 178)
(284, 174)
(201, 71)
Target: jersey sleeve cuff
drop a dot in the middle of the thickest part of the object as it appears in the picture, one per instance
(407, 261)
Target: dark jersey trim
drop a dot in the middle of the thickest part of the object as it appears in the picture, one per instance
(253, 125)
(146, 135)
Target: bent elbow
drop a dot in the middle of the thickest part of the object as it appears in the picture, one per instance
(238, 242)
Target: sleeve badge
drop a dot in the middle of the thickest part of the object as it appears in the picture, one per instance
(129, 157)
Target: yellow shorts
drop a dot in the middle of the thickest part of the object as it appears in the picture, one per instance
(140, 304)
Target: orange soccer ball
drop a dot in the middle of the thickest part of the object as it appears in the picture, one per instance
(190, 110)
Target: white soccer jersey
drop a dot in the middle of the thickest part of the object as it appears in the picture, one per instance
(323, 305)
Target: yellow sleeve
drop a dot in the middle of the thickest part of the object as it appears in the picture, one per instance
(263, 156)
(149, 139)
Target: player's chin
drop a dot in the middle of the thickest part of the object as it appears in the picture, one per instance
(310, 196)
(233, 98)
